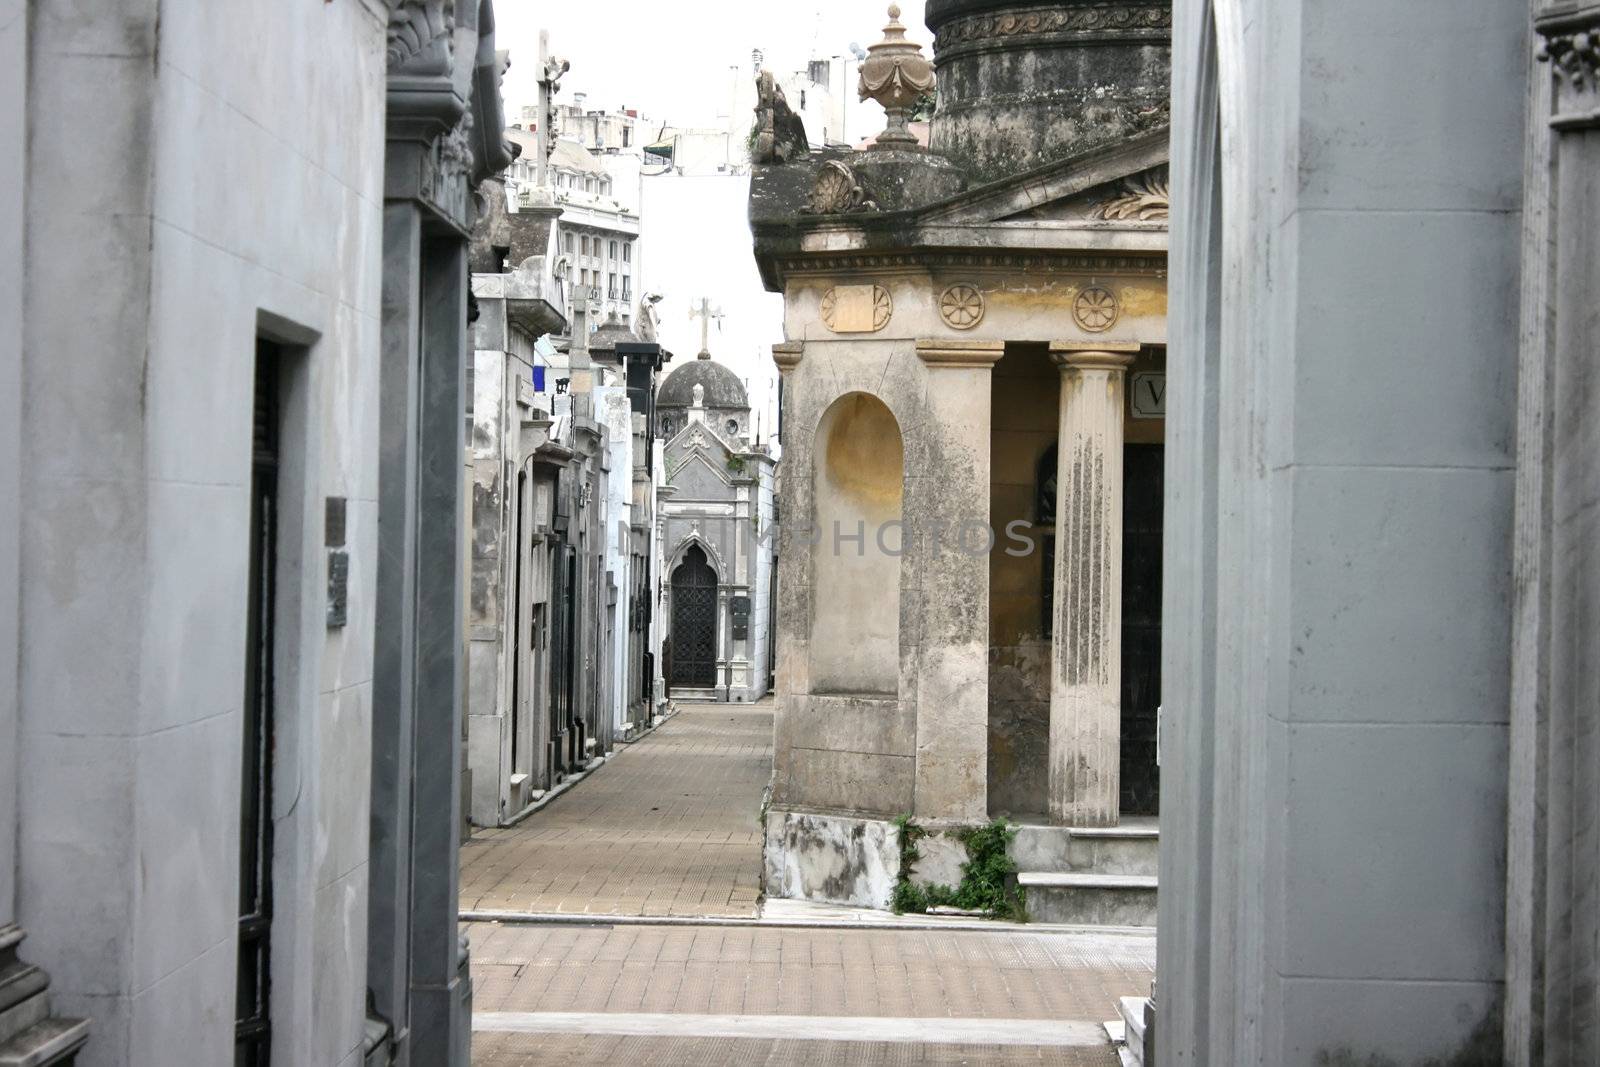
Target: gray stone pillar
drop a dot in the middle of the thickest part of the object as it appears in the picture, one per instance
(1086, 652)
(13, 179)
(952, 769)
(440, 1026)
(414, 951)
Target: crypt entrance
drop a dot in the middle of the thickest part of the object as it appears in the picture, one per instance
(694, 622)
(1022, 602)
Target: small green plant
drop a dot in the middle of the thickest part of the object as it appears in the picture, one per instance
(736, 464)
(988, 878)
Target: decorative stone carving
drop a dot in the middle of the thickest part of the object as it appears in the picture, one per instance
(1105, 21)
(1096, 309)
(1145, 197)
(779, 135)
(896, 74)
(962, 306)
(1571, 46)
(857, 308)
(421, 30)
(837, 192)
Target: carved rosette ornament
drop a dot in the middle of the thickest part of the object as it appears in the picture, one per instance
(837, 192)
(896, 74)
(1096, 309)
(1145, 197)
(1571, 46)
(962, 307)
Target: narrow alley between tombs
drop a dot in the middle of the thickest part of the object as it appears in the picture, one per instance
(670, 825)
(622, 922)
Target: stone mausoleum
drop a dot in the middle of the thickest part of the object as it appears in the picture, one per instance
(716, 519)
(974, 398)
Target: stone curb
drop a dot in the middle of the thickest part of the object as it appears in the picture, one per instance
(520, 918)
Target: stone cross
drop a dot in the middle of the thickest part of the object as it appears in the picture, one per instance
(551, 70)
(705, 314)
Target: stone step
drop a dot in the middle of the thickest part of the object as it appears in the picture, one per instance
(1117, 1032)
(1090, 899)
(1133, 1021)
(1131, 849)
(53, 1041)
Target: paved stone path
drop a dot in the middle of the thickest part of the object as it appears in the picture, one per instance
(670, 826)
(674, 995)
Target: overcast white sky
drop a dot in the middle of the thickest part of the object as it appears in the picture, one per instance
(670, 58)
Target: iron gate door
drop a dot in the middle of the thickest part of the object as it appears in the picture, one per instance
(694, 621)
(1141, 626)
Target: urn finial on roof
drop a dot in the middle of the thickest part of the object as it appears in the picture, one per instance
(896, 74)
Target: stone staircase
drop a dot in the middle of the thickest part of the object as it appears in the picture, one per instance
(29, 1035)
(1133, 1030)
(1090, 877)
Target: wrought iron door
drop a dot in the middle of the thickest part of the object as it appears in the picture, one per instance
(253, 993)
(694, 621)
(1141, 626)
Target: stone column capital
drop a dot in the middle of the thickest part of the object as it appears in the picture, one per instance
(1086, 355)
(787, 355)
(981, 355)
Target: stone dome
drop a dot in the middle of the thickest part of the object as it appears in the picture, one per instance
(723, 389)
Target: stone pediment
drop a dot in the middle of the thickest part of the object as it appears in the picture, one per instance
(1125, 184)
(697, 478)
(1143, 197)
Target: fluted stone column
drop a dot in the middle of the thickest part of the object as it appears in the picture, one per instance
(1086, 653)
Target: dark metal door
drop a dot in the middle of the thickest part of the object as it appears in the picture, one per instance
(253, 992)
(694, 622)
(1141, 626)
(563, 664)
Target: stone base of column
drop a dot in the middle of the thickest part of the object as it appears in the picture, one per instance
(29, 1036)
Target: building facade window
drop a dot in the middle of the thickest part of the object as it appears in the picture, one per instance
(627, 252)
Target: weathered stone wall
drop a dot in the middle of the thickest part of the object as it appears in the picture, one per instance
(208, 133)
(1027, 389)
(1024, 84)
(859, 471)
(13, 228)
(1339, 588)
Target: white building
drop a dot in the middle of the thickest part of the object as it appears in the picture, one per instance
(597, 235)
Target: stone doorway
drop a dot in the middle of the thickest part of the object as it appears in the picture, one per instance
(694, 622)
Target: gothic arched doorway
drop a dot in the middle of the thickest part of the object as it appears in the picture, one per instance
(694, 621)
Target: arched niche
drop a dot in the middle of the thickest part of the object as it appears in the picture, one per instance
(858, 480)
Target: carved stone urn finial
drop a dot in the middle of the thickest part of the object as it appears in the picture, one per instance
(896, 74)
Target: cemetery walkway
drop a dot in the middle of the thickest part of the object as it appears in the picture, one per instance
(627, 886)
(669, 826)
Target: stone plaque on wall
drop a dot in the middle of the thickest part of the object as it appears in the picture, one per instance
(338, 589)
(1147, 392)
(856, 308)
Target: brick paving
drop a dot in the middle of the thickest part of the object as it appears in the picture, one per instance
(546, 1050)
(671, 826)
(745, 971)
